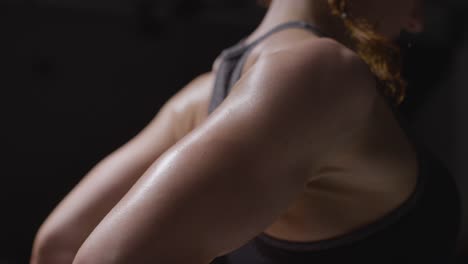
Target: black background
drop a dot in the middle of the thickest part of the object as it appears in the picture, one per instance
(81, 77)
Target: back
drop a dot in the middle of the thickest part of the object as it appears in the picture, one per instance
(427, 222)
(424, 234)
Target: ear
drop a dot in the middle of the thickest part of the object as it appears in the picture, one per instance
(415, 23)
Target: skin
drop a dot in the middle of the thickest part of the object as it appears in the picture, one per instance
(290, 147)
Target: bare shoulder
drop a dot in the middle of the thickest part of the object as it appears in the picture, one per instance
(196, 90)
(323, 62)
(318, 87)
(317, 73)
(190, 105)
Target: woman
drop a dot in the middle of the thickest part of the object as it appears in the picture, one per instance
(304, 162)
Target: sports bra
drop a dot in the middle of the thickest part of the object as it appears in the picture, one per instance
(423, 229)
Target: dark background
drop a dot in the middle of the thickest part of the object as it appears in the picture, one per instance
(81, 77)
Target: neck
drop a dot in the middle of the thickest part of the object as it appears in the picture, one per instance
(316, 12)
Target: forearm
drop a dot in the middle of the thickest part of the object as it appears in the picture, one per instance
(83, 209)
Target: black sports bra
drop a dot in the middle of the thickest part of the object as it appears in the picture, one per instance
(422, 230)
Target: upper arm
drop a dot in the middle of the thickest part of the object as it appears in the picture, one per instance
(229, 179)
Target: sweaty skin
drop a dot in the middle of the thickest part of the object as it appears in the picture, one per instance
(272, 156)
(302, 138)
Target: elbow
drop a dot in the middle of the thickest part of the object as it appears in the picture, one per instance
(51, 249)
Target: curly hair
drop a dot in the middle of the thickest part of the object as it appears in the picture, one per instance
(380, 54)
